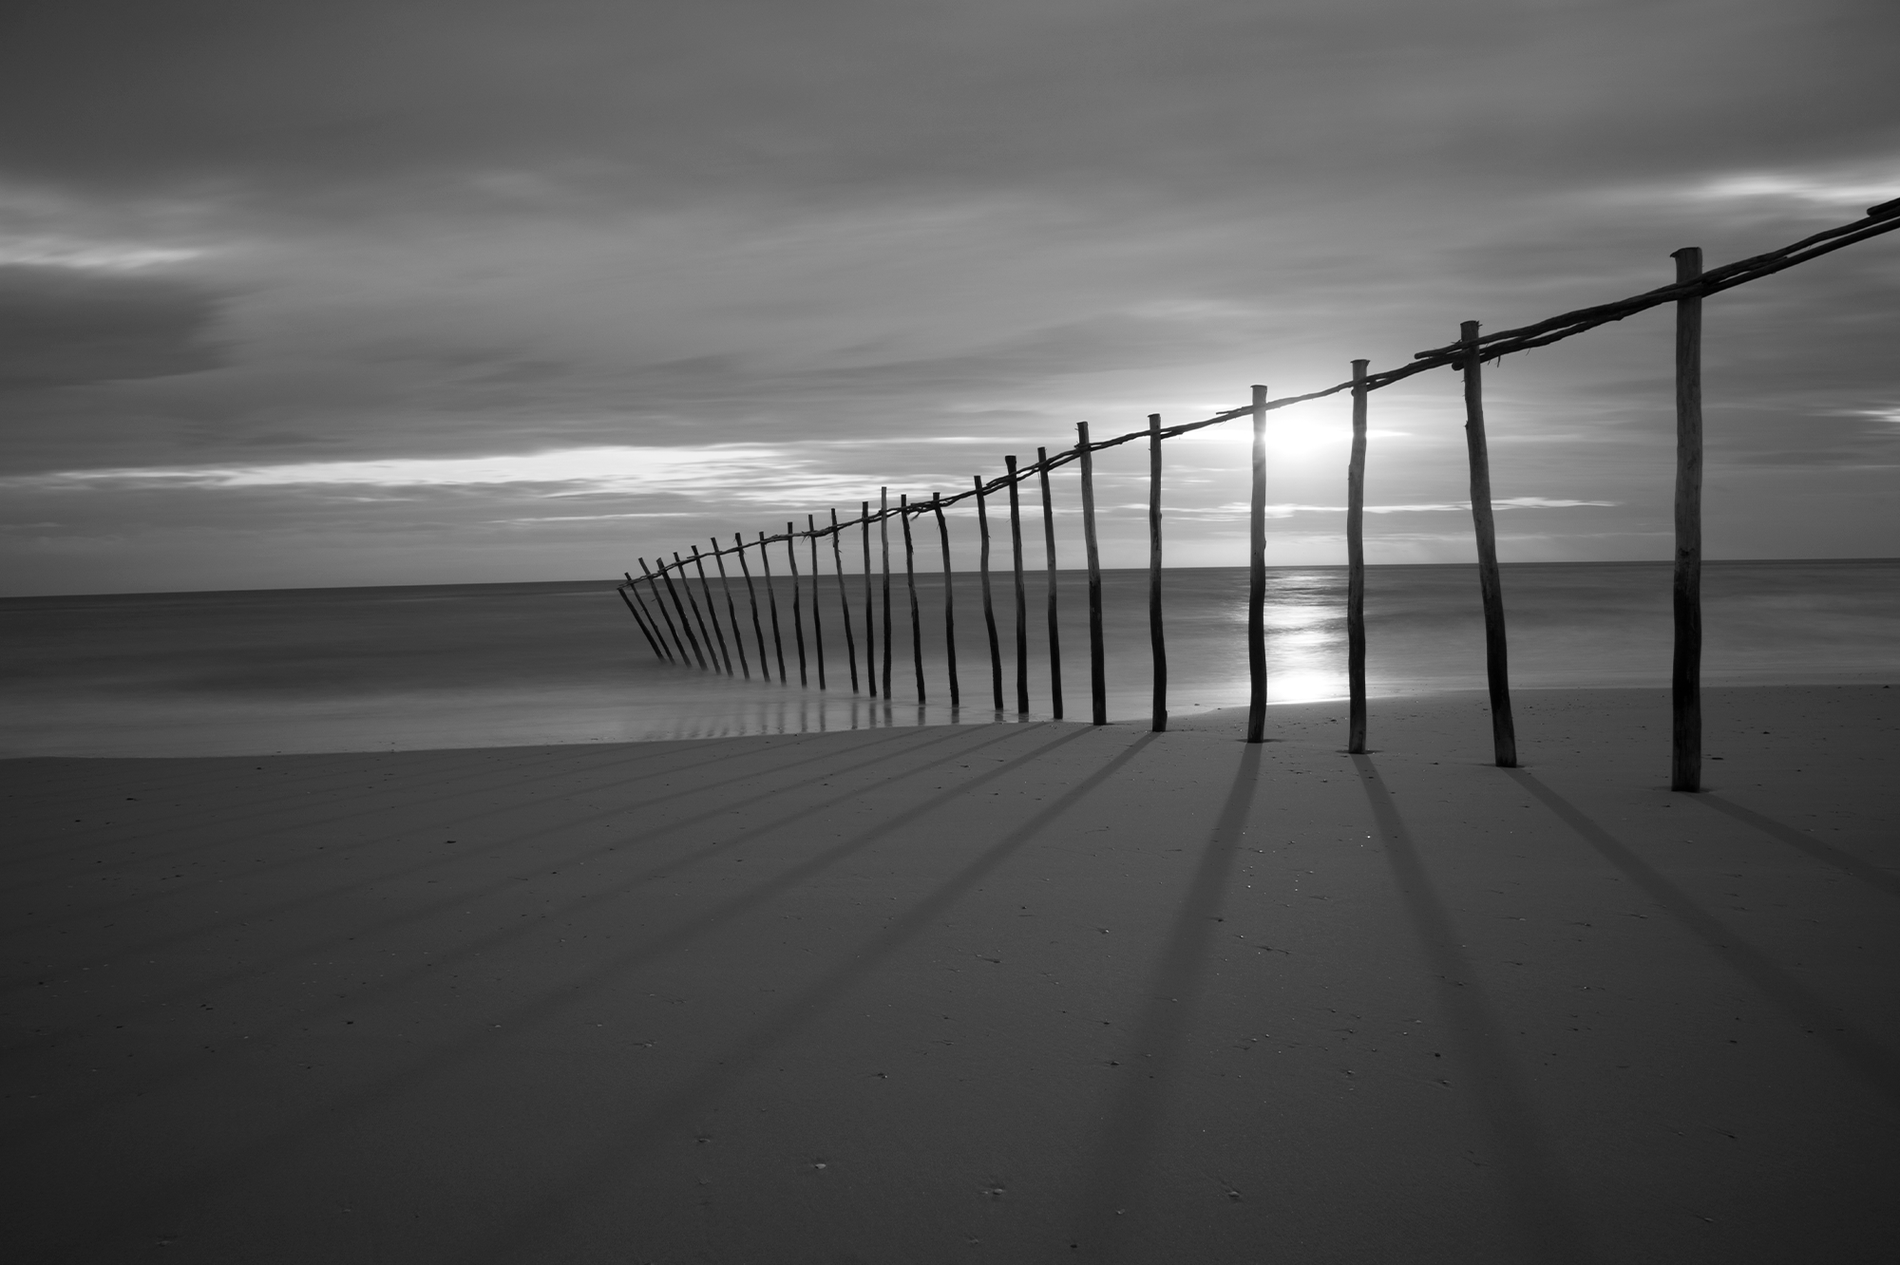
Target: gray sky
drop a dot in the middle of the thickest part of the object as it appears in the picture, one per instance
(406, 292)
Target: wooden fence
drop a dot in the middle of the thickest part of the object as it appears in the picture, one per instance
(687, 629)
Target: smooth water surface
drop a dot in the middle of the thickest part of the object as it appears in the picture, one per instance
(502, 664)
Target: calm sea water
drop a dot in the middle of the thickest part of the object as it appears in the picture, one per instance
(503, 664)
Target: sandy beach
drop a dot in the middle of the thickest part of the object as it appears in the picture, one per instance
(1010, 992)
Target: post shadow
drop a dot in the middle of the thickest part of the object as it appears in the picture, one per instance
(1826, 853)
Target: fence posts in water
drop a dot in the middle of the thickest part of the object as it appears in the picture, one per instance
(712, 612)
(633, 587)
(870, 607)
(1257, 576)
(752, 596)
(910, 587)
(704, 636)
(1049, 544)
(989, 605)
(1496, 664)
(1158, 722)
(817, 622)
(1356, 567)
(949, 602)
(638, 618)
(771, 600)
(884, 553)
(660, 602)
(1098, 664)
(732, 610)
(1022, 607)
(673, 593)
(844, 599)
(798, 603)
(1685, 771)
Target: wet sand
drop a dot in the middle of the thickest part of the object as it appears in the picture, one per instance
(1028, 992)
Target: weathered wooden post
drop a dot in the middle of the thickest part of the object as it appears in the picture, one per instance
(659, 603)
(641, 603)
(1257, 576)
(640, 620)
(817, 623)
(844, 599)
(1685, 771)
(1356, 567)
(1022, 607)
(1490, 586)
(732, 609)
(798, 602)
(699, 619)
(752, 596)
(1157, 643)
(884, 554)
(1049, 547)
(1098, 662)
(949, 602)
(910, 587)
(870, 607)
(686, 626)
(989, 606)
(771, 599)
(712, 611)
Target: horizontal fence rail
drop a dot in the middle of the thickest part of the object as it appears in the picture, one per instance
(688, 628)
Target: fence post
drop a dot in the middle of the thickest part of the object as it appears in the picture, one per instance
(1098, 670)
(712, 611)
(641, 604)
(732, 610)
(1022, 607)
(884, 542)
(844, 600)
(870, 607)
(659, 601)
(752, 597)
(1496, 661)
(1257, 576)
(1356, 567)
(686, 626)
(771, 599)
(1685, 773)
(1049, 544)
(910, 587)
(989, 605)
(798, 602)
(638, 619)
(1157, 643)
(949, 604)
(699, 619)
(817, 622)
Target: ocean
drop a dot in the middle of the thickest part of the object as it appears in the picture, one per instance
(364, 669)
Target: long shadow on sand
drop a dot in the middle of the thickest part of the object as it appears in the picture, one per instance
(1127, 1143)
(1546, 1219)
(1862, 1053)
(512, 1241)
(1826, 853)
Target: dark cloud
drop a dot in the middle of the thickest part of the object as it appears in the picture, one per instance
(67, 327)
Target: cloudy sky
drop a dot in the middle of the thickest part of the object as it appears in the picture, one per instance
(408, 291)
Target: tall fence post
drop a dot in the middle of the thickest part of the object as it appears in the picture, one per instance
(771, 599)
(949, 603)
(910, 588)
(817, 621)
(640, 603)
(1356, 567)
(798, 603)
(732, 609)
(686, 627)
(1098, 663)
(1496, 660)
(870, 608)
(1257, 576)
(659, 602)
(1685, 772)
(884, 544)
(752, 599)
(1022, 607)
(639, 619)
(712, 611)
(1049, 545)
(989, 604)
(844, 600)
(1157, 643)
(699, 619)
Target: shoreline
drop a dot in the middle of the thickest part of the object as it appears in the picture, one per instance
(973, 991)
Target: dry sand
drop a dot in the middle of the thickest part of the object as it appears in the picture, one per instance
(1002, 992)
